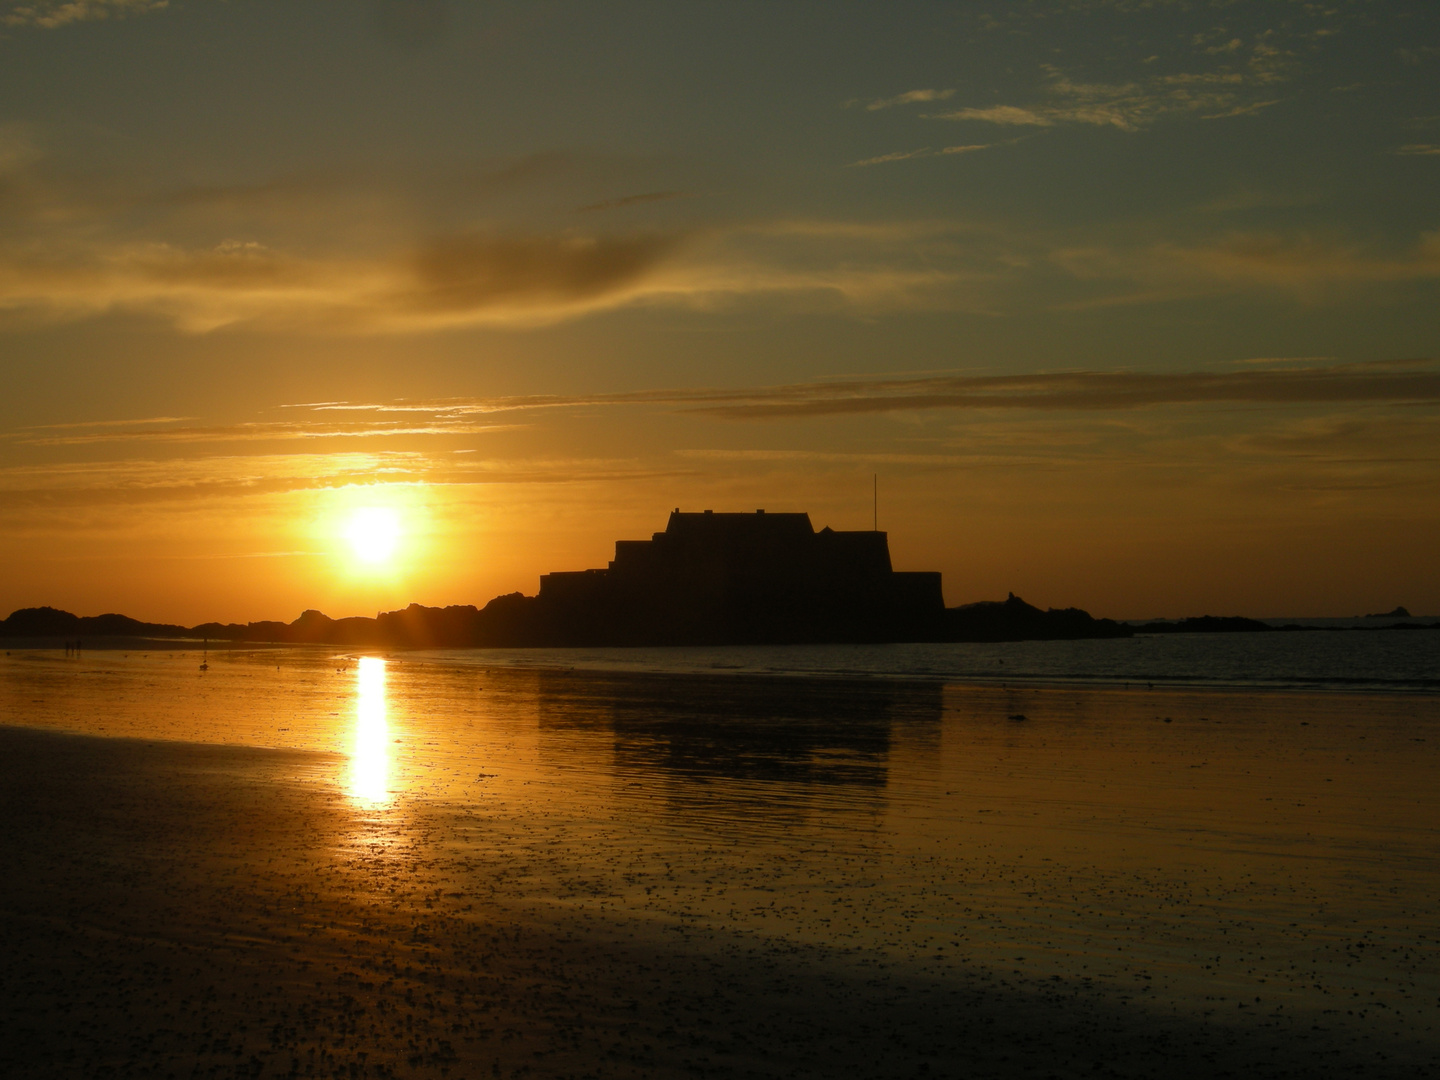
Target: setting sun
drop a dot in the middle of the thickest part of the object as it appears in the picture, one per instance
(373, 533)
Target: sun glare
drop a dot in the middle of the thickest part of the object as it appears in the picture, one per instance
(373, 533)
(370, 759)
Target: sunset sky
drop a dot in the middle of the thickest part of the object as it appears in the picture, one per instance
(1132, 306)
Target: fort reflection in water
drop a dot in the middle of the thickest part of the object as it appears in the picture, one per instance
(789, 746)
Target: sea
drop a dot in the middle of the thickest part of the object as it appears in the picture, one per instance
(1241, 831)
(1325, 656)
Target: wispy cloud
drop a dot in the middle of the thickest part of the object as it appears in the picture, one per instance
(294, 261)
(47, 490)
(1129, 107)
(1005, 114)
(1278, 361)
(475, 273)
(89, 424)
(1242, 110)
(900, 233)
(910, 97)
(1419, 150)
(57, 487)
(1418, 382)
(50, 14)
(1416, 55)
(898, 155)
(120, 431)
(480, 279)
(832, 457)
(310, 253)
(924, 152)
(451, 281)
(471, 279)
(1408, 381)
(1307, 266)
(1243, 85)
(1309, 426)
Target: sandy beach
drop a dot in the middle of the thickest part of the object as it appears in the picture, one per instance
(588, 875)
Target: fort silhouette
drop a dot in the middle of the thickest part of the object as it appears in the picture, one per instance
(742, 578)
(707, 579)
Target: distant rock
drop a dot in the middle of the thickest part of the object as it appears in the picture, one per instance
(1398, 613)
(1204, 624)
(47, 622)
(1013, 619)
(40, 622)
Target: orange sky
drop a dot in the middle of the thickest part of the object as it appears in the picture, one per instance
(1130, 309)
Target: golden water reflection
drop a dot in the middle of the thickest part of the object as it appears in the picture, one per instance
(370, 757)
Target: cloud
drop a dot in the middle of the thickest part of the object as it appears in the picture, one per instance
(831, 457)
(314, 253)
(1286, 260)
(1272, 361)
(1231, 46)
(454, 280)
(473, 279)
(1349, 437)
(899, 155)
(1406, 382)
(1419, 150)
(1088, 391)
(325, 255)
(1243, 87)
(50, 14)
(91, 424)
(1340, 427)
(1002, 114)
(469, 279)
(475, 273)
(881, 233)
(47, 490)
(149, 431)
(991, 267)
(1305, 265)
(905, 155)
(910, 97)
(1413, 57)
(1242, 110)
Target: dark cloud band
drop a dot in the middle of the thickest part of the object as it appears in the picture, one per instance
(1090, 390)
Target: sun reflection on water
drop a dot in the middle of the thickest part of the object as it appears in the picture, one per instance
(370, 758)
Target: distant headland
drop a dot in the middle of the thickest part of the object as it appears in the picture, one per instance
(708, 579)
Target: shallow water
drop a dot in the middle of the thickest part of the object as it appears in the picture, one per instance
(1377, 660)
(1254, 858)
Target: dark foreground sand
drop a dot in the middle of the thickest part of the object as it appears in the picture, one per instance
(169, 909)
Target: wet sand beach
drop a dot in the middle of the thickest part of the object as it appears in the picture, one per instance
(299, 864)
